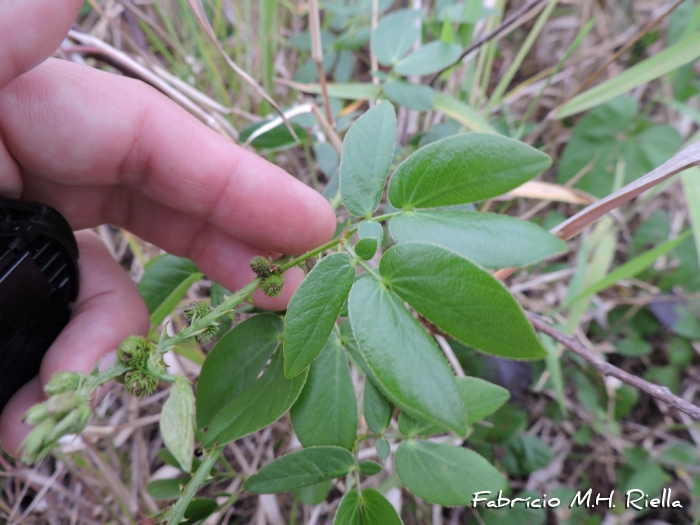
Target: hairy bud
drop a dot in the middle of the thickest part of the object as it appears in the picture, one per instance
(272, 286)
(63, 382)
(196, 310)
(261, 266)
(140, 384)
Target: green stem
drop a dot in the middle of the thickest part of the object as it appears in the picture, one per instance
(380, 218)
(180, 506)
(312, 253)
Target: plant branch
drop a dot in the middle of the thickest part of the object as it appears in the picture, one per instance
(659, 393)
(180, 506)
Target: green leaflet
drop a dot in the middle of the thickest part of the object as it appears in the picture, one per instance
(313, 310)
(376, 509)
(412, 427)
(461, 298)
(370, 230)
(366, 248)
(326, 411)
(489, 239)
(261, 405)
(463, 168)
(413, 96)
(165, 283)
(401, 359)
(367, 152)
(177, 423)
(370, 468)
(444, 474)
(377, 409)
(394, 36)
(428, 59)
(314, 494)
(302, 468)
(481, 398)
(348, 512)
(234, 363)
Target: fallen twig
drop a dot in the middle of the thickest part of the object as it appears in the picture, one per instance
(659, 393)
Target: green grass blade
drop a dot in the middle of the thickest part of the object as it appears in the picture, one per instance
(634, 266)
(650, 69)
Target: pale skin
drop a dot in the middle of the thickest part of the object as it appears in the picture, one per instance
(102, 148)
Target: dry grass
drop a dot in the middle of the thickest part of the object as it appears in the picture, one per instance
(101, 477)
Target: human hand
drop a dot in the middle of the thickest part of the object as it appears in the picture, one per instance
(107, 149)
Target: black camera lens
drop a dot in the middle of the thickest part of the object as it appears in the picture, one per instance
(38, 281)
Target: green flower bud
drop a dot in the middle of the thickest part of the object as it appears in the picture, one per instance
(196, 310)
(63, 382)
(140, 384)
(65, 402)
(34, 442)
(261, 266)
(272, 286)
(72, 423)
(36, 414)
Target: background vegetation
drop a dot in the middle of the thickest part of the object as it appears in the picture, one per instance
(531, 71)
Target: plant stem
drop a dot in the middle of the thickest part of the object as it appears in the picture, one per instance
(312, 253)
(180, 506)
(380, 218)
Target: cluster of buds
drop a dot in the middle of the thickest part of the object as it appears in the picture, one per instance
(196, 311)
(66, 412)
(146, 367)
(272, 280)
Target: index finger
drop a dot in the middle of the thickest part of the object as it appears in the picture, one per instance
(71, 127)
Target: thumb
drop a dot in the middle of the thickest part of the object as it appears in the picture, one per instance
(30, 30)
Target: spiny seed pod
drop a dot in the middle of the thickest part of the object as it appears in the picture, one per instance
(261, 266)
(196, 310)
(272, 286)
(134, 351)
(63, 382)
(209, 333)
(140, 384)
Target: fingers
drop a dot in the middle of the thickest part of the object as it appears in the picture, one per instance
(12, 429)
(73, 126)
(29, 32)
(108, 309)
